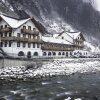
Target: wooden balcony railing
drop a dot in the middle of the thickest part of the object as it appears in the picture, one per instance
(7, 38)
(7, 29)
(29, 31)
(79, 45)
(57, 48)
(79, 40)
(21, 39)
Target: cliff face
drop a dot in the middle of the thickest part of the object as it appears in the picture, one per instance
(76, 13)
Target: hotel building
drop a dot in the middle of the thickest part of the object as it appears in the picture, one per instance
(22, 38)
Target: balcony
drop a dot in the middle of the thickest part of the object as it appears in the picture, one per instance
(7, 38)
(7, 29)
(56, 48)
(28, 40)
(29, 31)
(79, 40)
(79, 45)
(21, 39)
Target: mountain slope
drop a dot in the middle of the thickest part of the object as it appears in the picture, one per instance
(59, 14)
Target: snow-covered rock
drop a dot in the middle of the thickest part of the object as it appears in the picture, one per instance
(56, 67)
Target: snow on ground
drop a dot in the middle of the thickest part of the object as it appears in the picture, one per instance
(56, 67)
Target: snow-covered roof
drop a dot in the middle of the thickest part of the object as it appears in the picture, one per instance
(14, 23)
(73, 35)
(55, 35)
(55, 40)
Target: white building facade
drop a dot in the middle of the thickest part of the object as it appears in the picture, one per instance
(22, 38)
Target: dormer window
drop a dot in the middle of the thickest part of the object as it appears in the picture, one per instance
(62, 37)
(29, 27)
(24, 27)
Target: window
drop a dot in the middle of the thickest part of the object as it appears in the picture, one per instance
(34, 29)
(54, 53)
(18, 44)
(5, 26)
(5, 34)
(63, 53)
(59, 53)
(75, 53)
(29, 27)
(1, 26)
(29, 54)
(18, 34)
(21, 53)
(66, 53)
(44, 53)
(1, 34)
(33, 45)
(38, 45)
(33, 36)
(29, 45)
(49, 54)
(29, 35)
(24, 35)
(10, 34)
(36, 54)
(24, 45)
(5, 44)
(24, 27)
(1, 44)
(9, 43)
(62, 37)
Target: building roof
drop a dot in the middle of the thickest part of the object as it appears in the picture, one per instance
(55, 40)
(74, 35)
(14, 23)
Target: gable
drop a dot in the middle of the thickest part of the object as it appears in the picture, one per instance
(65, 37)
(31, 24)
(80, 36)
(14, 23)
(3, 22)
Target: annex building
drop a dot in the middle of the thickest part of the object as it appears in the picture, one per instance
(22, 38)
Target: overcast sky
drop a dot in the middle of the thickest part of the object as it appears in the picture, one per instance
(95, 3)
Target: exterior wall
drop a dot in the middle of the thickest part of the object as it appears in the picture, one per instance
(63, 53)
(2, 22)
(66, 37)
(14, 50)
(79, 43)
(29, 23)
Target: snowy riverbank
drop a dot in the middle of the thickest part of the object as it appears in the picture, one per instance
(56, 67)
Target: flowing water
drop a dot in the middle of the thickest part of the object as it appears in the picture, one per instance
(74, 87)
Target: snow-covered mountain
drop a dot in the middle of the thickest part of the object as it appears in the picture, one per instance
(59, 15)
(92, 48)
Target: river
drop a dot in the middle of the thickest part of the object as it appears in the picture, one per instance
(73, 87)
